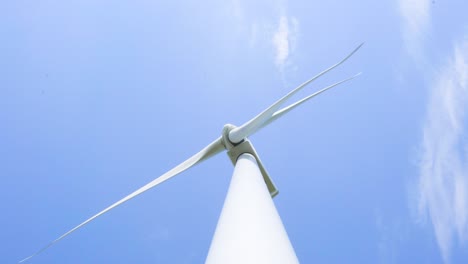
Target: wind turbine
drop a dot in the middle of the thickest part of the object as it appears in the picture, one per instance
(249, 229)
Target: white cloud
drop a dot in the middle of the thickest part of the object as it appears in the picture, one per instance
(443, 179)
(284, 40)
(416, 20)
(264, 29)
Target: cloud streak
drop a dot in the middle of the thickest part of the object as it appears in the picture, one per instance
(284, 40)
(443, 178)
(416, 20)
(273, 28)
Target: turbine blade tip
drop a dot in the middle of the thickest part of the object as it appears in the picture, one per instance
(358, 47)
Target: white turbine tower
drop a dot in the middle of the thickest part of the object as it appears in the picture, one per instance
(249, 229)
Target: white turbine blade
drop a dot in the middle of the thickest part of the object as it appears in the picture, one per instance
(210, 150)
(285, 110)
(238, 134)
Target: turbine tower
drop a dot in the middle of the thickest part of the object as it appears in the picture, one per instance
(249, 229)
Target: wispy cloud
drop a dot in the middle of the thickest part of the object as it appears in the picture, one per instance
(284, 40)
(271, 29)
(416, 22)
(443, 179)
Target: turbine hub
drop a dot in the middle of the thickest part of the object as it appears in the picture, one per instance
(228, 144)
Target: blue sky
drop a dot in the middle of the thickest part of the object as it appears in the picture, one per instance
(100, 97)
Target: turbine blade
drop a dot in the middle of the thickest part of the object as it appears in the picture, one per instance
(209, 151)
(290, 107)
(238, 134)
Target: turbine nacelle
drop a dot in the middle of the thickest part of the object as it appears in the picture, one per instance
(234, 150)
